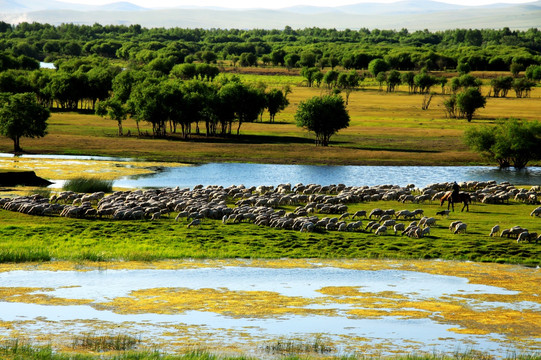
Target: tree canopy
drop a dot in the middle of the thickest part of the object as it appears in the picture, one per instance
(324, 115)
(22, 116)
(511, 143)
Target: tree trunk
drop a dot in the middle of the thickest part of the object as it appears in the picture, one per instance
(16, 145)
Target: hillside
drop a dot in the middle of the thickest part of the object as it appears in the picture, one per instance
(414, 15)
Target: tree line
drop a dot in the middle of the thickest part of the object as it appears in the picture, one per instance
(485, 49)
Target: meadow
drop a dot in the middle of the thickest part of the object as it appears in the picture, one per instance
(30, 238)
(385, 129)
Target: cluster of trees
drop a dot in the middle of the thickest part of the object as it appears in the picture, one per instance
(78, 84)
(172, 103)
(510, 143)
(482, 49)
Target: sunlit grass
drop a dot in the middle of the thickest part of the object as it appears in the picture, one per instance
(379, 122)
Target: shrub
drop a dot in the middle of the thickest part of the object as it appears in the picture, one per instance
(88, 185)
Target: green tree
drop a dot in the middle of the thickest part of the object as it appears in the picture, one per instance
(310, 74)
(115, 110)
(469, 101)
(323, 115)
(501, 85)
(276, 102)
(291, 60)
(377, 65)
(21, 115)
(348, 82)
(330, 78)
(408, 78)
(510, 143)
(522, 87)
(393, 80)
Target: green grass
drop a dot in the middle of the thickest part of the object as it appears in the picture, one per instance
(30, 238)
(88, 185)
(22, 350)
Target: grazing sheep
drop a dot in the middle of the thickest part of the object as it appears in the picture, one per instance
(426, 231)
(359, 214)
(376, 213)
(194, 222)
(460, 228)
(495, 230)
(505, 232)
(399, 227)
(453, 225)
(381, 230)
(536, 212)
(344, 215)
(523, 236)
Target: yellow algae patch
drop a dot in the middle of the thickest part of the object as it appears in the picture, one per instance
(28, 295)
(221, 301)
(69, 169)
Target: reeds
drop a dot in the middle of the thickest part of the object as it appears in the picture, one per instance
(289, 346)
(20, 255)
(100, 343)
(88, 185)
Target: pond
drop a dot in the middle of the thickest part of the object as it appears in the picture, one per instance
(376, 307)
(226, 174)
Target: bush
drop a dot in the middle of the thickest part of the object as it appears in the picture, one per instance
(88, 185)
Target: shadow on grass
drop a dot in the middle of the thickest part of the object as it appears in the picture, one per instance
(376, 148)
(237, 139)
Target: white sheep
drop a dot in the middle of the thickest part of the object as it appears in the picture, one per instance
(495, 230)
(381, 230)
(460, 228)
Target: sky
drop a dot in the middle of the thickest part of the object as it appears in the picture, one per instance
(273, 4)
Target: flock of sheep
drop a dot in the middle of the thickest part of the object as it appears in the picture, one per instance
(259, 205)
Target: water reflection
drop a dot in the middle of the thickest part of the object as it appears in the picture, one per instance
(212, 325)
(226, 174)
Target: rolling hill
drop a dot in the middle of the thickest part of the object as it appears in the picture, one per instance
(410, 14)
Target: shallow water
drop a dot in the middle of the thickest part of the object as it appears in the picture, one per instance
(297, 302)
(227, 174)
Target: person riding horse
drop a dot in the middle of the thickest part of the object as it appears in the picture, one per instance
(456, 191)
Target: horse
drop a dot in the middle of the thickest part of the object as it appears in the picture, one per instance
(461, 197)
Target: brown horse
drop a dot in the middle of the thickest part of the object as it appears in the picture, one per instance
(461, 197)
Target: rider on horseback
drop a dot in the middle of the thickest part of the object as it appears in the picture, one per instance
(456, 190)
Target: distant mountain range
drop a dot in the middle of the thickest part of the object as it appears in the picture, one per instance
(410, 14)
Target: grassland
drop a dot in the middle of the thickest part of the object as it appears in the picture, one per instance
(385, 129)
(29, 238)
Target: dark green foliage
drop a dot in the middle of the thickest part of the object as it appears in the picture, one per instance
(377, 66)
(501, 86)
(469, 101)
(88, 185)
(276, 102)
(510, 143)
(22, 116)
(323, 115)
(311, 74)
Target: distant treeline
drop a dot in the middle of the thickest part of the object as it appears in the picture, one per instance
(485, 49)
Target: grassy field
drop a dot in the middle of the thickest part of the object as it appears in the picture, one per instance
(30, 238)
(385, 129)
